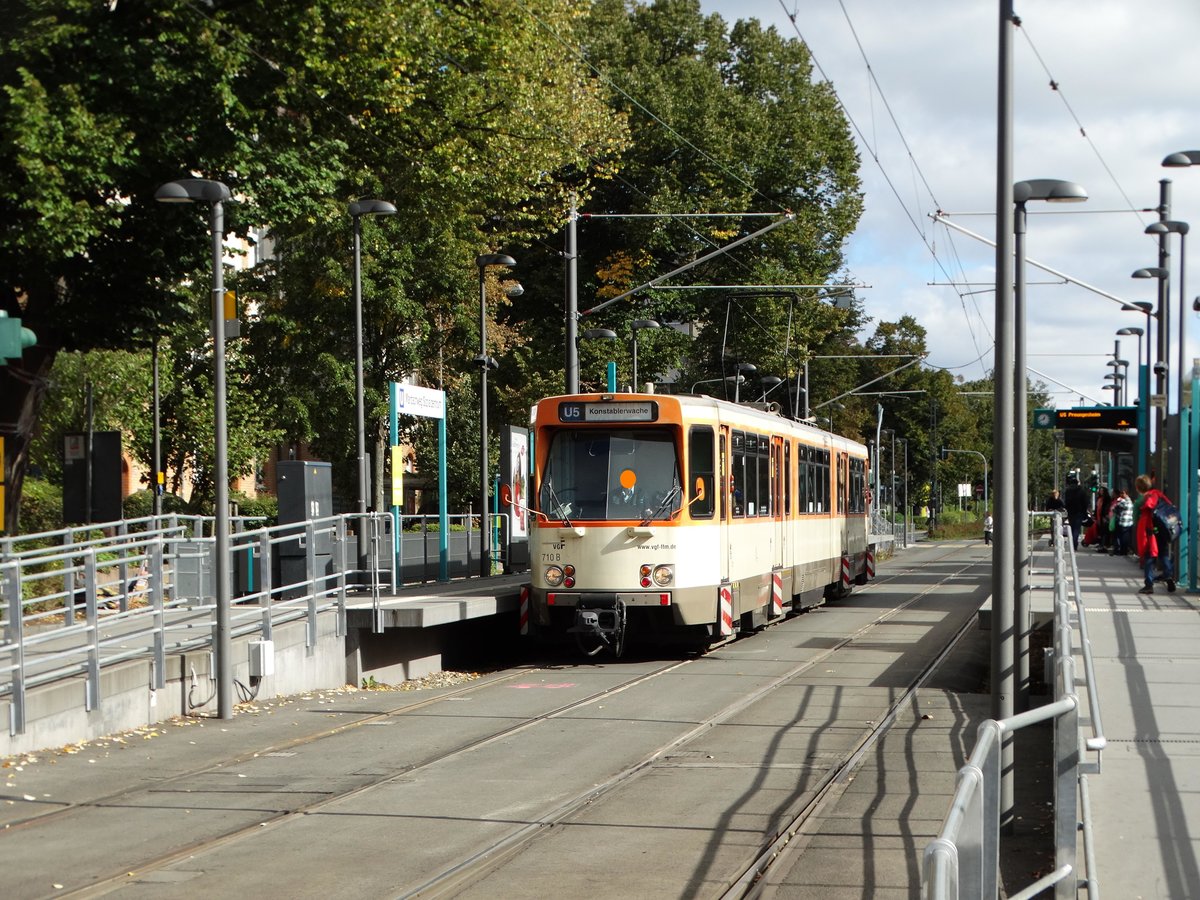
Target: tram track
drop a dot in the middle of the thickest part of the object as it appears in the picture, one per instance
(103, 885)
(475, 867)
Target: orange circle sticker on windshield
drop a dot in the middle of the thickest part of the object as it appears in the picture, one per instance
(628, 479)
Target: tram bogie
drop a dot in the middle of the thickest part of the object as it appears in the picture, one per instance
(670, 519)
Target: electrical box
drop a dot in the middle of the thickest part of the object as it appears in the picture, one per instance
(305, 491)
(262, 659)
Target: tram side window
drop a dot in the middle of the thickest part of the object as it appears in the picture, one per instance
(750, 460)
(700, 464)
(858, 486)
(739, 473)
(823, 477)
(763, 508)
(808, 502)
(840, 462)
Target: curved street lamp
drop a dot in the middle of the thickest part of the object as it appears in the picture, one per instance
(357, 210)
(769, 383)
(1189, 454)
(635, 327)
(215, 193)
(485, 363)
(1050, 190)
(1162, 360)
(1124, 332)
(743, 370)
(601, 334)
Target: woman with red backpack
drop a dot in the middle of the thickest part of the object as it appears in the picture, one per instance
(1152, 544)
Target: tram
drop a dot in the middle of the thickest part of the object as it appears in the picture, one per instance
(684, 518)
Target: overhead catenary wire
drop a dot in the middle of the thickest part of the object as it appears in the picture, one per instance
(872, 152)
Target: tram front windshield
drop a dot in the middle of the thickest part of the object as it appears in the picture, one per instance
(597, 474)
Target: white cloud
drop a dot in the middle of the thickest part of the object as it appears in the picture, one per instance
(1127, 72)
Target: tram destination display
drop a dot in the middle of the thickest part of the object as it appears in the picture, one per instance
(608, 411)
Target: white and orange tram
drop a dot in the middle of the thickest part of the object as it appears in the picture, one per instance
(686, 518)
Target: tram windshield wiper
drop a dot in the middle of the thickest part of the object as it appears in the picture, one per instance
(561, 510)
(662, 507)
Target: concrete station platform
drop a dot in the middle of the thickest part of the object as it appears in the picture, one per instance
(418, 625)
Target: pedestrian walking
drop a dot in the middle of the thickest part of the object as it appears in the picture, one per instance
(1153, 545)
(1078, 503)
(987, 529)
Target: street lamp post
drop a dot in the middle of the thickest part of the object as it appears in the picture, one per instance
(639, 324)
(1189, 488)
(1161, 362)
(483, 261)
(1162, 229)
(768, 383)
(214, 193)
(600, 334)
(892, 485)
(156, 486)
(1050, 190)
(743, 370)
(946, 450)
(1139, 332)
(357, 210)
(1143, 455)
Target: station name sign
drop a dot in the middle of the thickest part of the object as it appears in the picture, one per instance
(413, 400)
(638, 411)
(1117, 417)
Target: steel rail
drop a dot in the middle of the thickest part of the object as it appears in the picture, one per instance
(486, 859)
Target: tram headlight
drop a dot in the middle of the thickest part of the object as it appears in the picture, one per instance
(663, 575)
(554, 576)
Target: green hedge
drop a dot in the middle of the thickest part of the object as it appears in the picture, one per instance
(140, 504)
(265, 507)
(41, 507)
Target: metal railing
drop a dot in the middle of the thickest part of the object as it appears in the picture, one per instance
(76, 601)
(963, 861)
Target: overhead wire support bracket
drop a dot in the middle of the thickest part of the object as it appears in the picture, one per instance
(784, 218)
(759, 287)
(941, 218)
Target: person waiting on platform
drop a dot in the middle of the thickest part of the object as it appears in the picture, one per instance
(1122, 523)
(1152, 544)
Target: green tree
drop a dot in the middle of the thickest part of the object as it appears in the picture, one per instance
(722, 120)
(454, 113)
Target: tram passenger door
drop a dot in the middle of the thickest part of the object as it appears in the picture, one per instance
(725, 480)
(780, 557)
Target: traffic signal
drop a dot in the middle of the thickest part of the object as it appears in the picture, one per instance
(13, 338)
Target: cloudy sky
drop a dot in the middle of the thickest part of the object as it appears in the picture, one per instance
(1127, 80)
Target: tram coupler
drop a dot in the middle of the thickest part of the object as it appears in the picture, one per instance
(601, 618)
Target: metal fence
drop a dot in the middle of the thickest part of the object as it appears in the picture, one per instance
(963, 861)
(76, 601)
